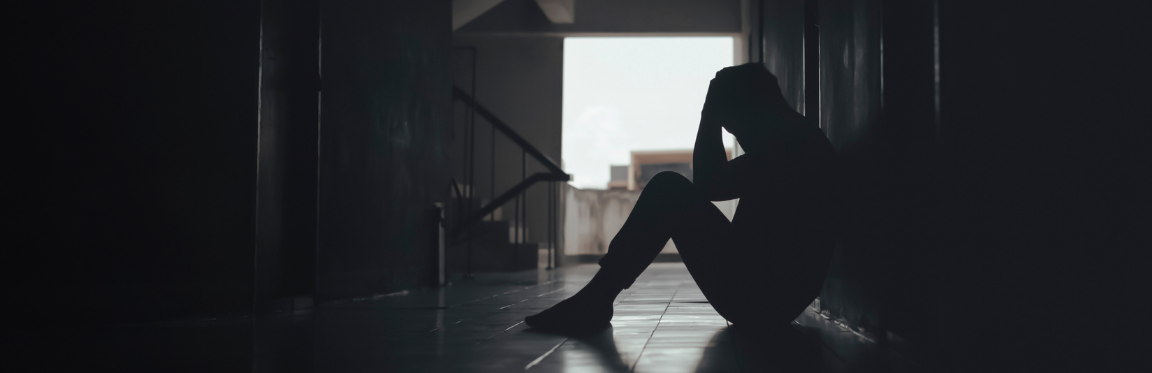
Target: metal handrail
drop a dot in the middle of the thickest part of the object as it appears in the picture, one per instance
(555, 172)
(505, 197)
(459, 94)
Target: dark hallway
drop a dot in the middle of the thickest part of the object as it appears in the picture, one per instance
(380, 185)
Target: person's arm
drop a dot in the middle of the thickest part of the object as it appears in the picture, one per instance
(711, 171)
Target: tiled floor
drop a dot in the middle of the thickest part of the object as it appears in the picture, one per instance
(662, 324)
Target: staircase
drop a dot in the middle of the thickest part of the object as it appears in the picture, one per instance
(480, 238)
(494, 247)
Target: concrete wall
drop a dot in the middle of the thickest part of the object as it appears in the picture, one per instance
(612, 16)
(384, 138)
(592, 218)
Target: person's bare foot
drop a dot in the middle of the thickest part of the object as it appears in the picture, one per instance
(574, 316)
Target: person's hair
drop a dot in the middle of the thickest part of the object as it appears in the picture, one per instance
(749, 84)
(749, 97)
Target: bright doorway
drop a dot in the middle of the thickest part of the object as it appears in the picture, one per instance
(630, 101)
(624, 94)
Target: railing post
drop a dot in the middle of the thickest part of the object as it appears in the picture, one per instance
(469, 188)
(470, 160)
(492, 180)
(515, 228)
(556, 224)
(523, 235)
(551, 221)
(469, 133)
(557, 237)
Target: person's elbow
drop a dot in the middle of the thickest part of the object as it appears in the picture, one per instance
(721, 196)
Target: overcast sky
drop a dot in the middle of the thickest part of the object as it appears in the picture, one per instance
(633, 93)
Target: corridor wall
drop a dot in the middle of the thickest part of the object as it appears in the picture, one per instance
(141, 123)
(385, 120)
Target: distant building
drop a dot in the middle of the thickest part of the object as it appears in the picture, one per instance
(619, 177)
(647, 171)
(647, 163)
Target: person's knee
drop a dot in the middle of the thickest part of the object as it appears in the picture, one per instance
(669, 179)
(669, 186)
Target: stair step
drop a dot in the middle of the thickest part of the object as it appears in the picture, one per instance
(524, 233)
(488, 232)
(494, 258)
(476, 205)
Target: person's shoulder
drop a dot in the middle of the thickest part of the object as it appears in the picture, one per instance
(810, 128)
(815, 138)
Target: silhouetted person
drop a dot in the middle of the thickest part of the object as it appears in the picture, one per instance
(769, 262)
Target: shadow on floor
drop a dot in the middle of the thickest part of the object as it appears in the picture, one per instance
(790, 348)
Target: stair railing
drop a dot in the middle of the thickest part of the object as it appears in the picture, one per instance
(554, 174)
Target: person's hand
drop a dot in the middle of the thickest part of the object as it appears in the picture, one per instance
(712, 113)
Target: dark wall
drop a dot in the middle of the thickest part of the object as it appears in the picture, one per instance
(1003, 189)
(907, 184)
(1038, 113)
(876, 106)
(384, 132)
(289, 117)
(143, 117)
(850, 112)
(173, 154)
(520, 80)
(878, 112)
(783, 40)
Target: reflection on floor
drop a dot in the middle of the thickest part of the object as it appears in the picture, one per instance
(662, 324)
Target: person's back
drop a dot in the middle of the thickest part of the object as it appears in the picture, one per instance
(786, 215)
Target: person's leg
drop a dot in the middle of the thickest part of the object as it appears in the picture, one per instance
(670, 206)
(728, 266)
(722, 262)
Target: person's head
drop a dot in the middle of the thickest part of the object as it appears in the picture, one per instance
(746, 100)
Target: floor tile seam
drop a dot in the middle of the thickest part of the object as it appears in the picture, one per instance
(500, 332)
(530, 298)
(540, 359)
(461, 321)
(518, 323)
(486, 314)
(649, 339)
(499, 294)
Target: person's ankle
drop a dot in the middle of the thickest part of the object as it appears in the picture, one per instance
(603, 286)
(594, 297)
(593, 294)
